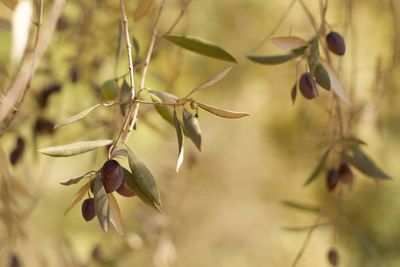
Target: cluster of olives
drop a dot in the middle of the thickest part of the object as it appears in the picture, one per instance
(307, 84)
(342, 174)
(112, 178)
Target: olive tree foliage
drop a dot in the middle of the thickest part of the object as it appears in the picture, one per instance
(123, 97)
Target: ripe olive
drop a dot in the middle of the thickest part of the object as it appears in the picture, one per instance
(112, 175)
(333, 256)
(345, 174)
(88, 211)
(335, 43)
(332, 179)
(307, 86)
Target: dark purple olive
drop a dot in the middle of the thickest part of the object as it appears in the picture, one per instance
(307, 86)
(88, 211)
(125, 191)
(46, 92)
(112, 175)
(335, 43)
(333, 256)
(332, 179)
(345, 174)
(18, 151)
(44, 126)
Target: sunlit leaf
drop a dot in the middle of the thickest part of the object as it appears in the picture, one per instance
(301, 206)
(179, 134)
(21, 23)
(210, 82)
(200, 47)
(318, 169)
(115, 214)
(142, 183)
(77, 117)
(351, 140)
(78, 196)
(288, 42)
(223, 113)
(313, 57)
(165, 111)
(78, 179)
(165, 97)
(191, 127)
(336, 84)
(101, 204)
(365, 164)
(142, 9)
(322, 77)
(273, 60)
(124, 96)
(74, 148)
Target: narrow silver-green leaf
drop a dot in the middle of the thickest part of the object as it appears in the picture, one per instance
(273, 60)
(115, 214)
(200, 47)
(74, 148)
(365, 164)
(336, 84)
(301, 206)
(164, 111)
(223, 113)
(191, 127)
(179, 134)
(313, 57)
(322, 77)
(125, 95)
(318, 169)
(77, 197)
(142, 183)
(164, 96)
(77, 117)
(288, 42)
(101, 204)
(210, 82)
(78, 179)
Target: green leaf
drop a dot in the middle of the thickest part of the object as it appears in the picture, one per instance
(77, 117)
(124, 96)
(191, 127)
(74, 148)
(200, 47)
(164, 111)
(272, 60)
(78, 196)
(313, 57)
(322, 77)
(165, 97)
(289, 42)
(318, 169)
(301, 206)
(115, 214)
(108, 90)
(78, 179)
(141, 182)
(351, 140)
(179, 134)
(336, 84)
(223, 113)
(210, 82)
(293, 93)
(101, 204)
(365, 164)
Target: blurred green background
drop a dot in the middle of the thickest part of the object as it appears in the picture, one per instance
(224, 207)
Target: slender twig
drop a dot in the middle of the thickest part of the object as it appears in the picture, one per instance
(35, 58)
(183, 10)
(150, 50)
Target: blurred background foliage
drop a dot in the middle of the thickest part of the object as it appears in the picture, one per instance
(224, 207)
